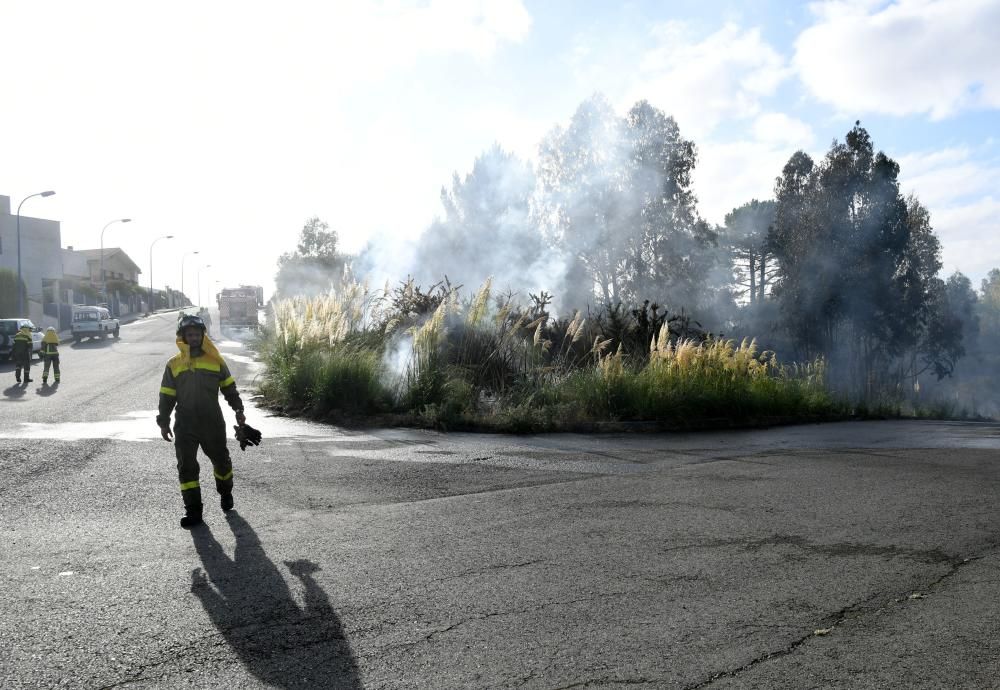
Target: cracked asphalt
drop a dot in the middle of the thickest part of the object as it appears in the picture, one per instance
(856, 555)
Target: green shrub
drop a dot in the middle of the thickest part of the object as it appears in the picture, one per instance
(330, 353)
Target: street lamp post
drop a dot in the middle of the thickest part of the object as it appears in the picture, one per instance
(162, 237)
(199, 282)
(104, 282)
(20, 292)
(182, 271)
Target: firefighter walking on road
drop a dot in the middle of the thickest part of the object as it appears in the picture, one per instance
(50, 353)
(192, 381)
(21, 351)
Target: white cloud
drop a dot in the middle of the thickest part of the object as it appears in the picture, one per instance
(945, 176)
(970, 237)
(731, 173)
(913, 56)
(703, 83)
(958, 187)
(717, 87)
(781, 129)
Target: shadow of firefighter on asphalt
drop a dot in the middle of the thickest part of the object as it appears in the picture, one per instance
(16, 391)
(251, 605)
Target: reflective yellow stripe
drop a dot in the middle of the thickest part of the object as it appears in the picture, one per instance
(224, 477)
(168, 391)
(228, 382)
(177, 368)
(189, 485)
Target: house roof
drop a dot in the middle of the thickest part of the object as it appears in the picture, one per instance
(95, 255)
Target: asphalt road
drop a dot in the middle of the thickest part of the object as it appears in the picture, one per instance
(860, 555)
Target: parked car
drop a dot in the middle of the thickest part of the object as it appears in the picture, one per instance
(93, 322)
(9, 328)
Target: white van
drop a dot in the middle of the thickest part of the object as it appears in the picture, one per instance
(9, 328)
(91, 322)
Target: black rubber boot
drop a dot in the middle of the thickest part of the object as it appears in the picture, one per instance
(192, 517)
(227, 502)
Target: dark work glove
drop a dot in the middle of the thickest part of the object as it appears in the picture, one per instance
(247, 436)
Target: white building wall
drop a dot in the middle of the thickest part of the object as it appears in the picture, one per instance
(74, 264)
(41, 255)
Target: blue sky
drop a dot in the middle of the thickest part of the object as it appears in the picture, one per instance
(221, 122)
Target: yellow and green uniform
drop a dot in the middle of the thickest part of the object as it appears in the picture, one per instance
(21, 352)
(192, 384)
(50, 353)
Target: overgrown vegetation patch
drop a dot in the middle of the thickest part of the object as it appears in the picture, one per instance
(491, 362)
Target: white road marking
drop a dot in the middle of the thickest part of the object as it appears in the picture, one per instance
(140, 426)
(139, 430)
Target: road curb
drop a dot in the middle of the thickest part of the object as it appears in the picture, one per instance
(593, 428)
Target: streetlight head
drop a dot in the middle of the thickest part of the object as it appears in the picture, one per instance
(169, 237)
(48, 193)
(126, 220)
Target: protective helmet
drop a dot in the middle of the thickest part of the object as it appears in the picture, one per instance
(50, 329)
(189, 320)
